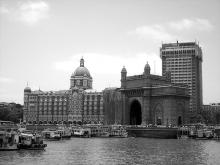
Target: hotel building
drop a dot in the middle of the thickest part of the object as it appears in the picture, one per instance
(184, 61)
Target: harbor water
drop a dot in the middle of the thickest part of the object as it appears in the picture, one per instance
(92, 151)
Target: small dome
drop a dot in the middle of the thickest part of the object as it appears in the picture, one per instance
(27, 89)
(123, 69)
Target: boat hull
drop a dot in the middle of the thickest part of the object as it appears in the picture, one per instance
(13, 148)
(33, 147)
(163, 133)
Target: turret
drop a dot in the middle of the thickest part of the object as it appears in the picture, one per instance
(123, 73)
(82, 62)
(147, 69)
(123, 76)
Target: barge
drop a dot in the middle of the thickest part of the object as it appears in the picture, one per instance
(153, 132)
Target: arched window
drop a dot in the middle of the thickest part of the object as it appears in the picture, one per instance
(158, 115)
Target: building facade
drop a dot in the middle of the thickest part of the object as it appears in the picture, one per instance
(184, 61)
(152, 99)
(80, 104)
(141, 100)
(211, 113)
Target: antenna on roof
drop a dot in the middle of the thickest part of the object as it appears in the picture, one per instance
(27, 83)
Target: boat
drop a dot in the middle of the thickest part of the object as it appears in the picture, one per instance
(31, 142)
(51, 135)
(204, 134)
(64, 132)
(217, 132)
(183, 133)
(104, 135)
(118, 131)
(98, 130)
(8, 136)
(8, 140)
(81, 132)
(153, 132)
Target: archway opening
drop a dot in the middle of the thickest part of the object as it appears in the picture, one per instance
(179, 121)
(135, 113)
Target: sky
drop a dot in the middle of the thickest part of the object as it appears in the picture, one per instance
(42, 41)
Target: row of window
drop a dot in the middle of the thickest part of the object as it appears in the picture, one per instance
(188, 51)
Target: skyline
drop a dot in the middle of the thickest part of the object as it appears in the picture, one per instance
(50, 38)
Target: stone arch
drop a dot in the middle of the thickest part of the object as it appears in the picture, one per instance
(158, 115)
(180, 114)
(135, 113)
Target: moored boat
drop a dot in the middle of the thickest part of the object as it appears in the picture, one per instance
(81, 132)
(31, 142)
(204, 134)
(8, 140)
(51, 135)
(64, 132)
(8, 136)
(118, 131)
(153, 132)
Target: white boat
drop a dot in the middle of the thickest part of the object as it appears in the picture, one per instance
(81, 132)
(118, 131)
(51, 135)
(64, 132)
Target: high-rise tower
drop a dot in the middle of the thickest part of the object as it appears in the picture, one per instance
(184, 61)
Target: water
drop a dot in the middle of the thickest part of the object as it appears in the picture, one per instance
(108, 151)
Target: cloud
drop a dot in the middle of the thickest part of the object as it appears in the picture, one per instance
(111, 64)
(156, 32)
(32, 12)
(5, 80)
(4, 10)
(192, 24)
(170, 31)
(29, 12)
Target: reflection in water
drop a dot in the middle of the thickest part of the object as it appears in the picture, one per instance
(118, 151)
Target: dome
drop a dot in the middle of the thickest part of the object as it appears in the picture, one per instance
(81, 70)
(27, 89)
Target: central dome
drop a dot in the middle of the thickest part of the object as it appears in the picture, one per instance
(81, 70)
(81, 78)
